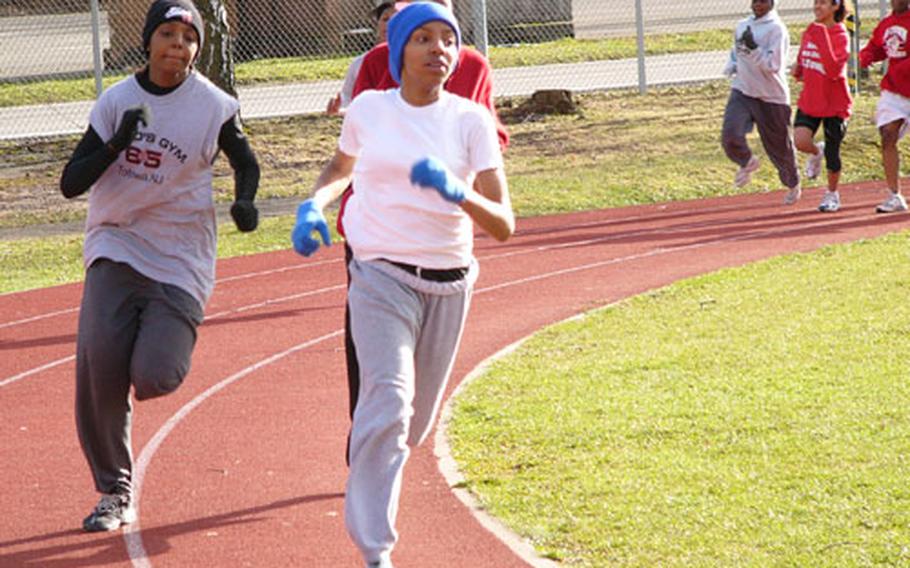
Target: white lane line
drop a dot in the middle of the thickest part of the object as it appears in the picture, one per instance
(536, 231)
(279, 270)
(272, 301)
(256, 274)
(36, 370)
(448, 467)
(246, 308)
(131, 534)
(39, 317)
(570, 244)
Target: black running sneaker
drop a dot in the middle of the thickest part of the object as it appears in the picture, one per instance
(111, 512)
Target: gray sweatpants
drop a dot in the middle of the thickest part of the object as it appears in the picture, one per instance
(773, 122)
(133, 331)
(406, 331)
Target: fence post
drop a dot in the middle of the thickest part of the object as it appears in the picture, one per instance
(96, 46)
(480, 26)
(854, 72)
(640, 32)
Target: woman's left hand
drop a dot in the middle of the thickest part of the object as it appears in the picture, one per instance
(433, 173)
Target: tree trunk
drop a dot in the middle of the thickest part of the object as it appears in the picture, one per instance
(217, 58)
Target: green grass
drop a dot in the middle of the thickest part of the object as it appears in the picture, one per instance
(758, 416)
(624, 149)
(52, 90)
(570, 50)
(291, 70)
(309, 69)
(38, 263)
(619, 149)
(49, 261)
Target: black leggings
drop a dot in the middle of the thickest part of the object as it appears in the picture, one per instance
(835, 130)
(350, 354)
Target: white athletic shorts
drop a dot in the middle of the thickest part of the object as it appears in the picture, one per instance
(891, 107)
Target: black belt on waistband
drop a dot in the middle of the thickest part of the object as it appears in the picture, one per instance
(432, 274)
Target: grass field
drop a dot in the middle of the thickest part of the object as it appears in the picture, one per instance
(753, 417)
(309, 69)
(618, 149)
(621, 148)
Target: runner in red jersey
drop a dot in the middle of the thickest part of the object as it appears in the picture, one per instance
(822, 67)
(889, 41)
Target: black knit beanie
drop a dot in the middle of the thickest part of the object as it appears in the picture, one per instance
(162, 11)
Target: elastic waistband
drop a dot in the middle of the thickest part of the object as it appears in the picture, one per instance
(432, 274)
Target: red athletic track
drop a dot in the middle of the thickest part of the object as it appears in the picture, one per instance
(253, 474)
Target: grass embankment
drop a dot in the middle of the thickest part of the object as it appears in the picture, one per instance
(758, 416)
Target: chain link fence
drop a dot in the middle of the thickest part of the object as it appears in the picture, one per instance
(290, 56)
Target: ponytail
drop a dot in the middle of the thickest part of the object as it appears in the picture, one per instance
(843, 9)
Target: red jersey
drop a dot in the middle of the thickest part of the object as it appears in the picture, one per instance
(472, 79)
(889, 41)
(822, 67)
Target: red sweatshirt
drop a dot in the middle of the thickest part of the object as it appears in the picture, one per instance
(822, 67)
(472, 79)
(889, 41)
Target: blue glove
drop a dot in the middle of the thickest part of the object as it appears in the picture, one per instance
(432, 173)
(309, 219)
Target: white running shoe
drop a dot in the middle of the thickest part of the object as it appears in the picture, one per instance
(744, 175)
(830, 202)
(893, 204)
(814, 163)
(793, 195)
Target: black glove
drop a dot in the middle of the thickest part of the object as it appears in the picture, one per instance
(129, 125)
(245, 215)
(748, 39)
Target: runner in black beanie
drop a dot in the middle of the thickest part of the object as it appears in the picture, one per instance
(162, 11)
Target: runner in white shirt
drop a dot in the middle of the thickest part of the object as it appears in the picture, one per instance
(414, 154)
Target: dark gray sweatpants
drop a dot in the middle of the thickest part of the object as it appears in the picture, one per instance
(136, 332)
(773, 123)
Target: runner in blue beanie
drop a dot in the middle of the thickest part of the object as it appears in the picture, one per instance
(403, 24)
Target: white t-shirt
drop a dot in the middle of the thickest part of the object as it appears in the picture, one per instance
(153, 207)
(389, 218)
(761, 73)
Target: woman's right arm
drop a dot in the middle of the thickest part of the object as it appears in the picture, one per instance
(334, 178)
(93, 156)
(89, 160)
(331, 183)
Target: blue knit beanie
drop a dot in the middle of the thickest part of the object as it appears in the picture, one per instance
(403, 24)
